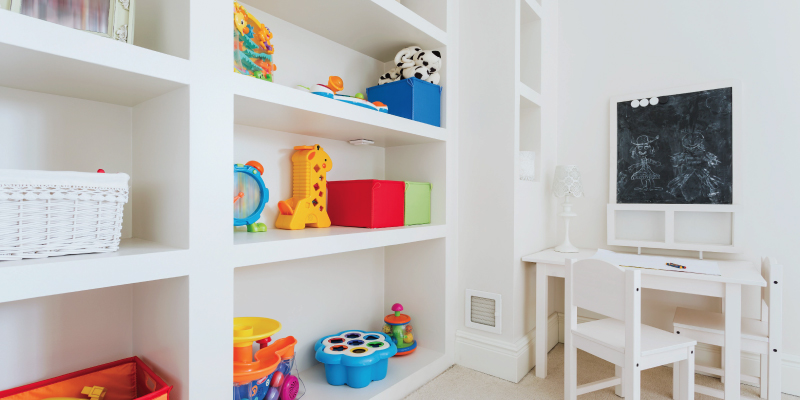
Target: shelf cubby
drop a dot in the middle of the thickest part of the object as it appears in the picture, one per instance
(530, 132)
(531, 44)
(356, 294)
(377, 28)
(149, 142)
(71, 332)
(273, 149)
(44, 57)
(276, 107)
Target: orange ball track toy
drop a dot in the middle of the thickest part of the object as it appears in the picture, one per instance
(269, 376)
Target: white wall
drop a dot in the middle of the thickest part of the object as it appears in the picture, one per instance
(617, 47)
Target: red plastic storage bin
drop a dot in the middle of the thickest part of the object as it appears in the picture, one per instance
(126, 379)
(367, 203)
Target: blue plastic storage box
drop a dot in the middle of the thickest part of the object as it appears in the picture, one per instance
(410, 98)
(355, 358)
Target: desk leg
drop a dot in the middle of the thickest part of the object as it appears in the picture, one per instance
(541, 320)
(733, 340)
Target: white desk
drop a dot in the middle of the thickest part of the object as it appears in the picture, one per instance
(727, 286)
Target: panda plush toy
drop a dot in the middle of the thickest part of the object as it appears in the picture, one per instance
(416, 72)
(413, 62)
(405, 57)
(393, 75)
(430, 59)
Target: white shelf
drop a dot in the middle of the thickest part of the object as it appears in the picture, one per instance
(530, 94)
(136, 261)
(283, 245)
(45, 57)
(377, 28)
(533, 6)
(400, 368)
(268, 105)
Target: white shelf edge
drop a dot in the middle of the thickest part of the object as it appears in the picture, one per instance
(249, 87)
(536, 7)
(530, 94)
(136, 261)
(413, 19)
(46, 37)
(325, 241)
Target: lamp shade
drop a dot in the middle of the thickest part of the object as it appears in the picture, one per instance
(567, 181)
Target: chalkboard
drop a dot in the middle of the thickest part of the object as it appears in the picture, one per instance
(676, 149)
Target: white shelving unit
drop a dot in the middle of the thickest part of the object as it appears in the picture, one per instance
(169, 111)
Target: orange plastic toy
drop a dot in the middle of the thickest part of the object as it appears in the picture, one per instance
(245, 332)
(335, 84)
(310, 165)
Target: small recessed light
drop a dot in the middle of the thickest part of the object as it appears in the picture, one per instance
(362, 142)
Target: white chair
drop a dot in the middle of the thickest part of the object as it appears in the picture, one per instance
(606, 289)
(758, 336)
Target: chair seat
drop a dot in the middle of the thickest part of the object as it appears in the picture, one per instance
(610, 332)
(712, 322)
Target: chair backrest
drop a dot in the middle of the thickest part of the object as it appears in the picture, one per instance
(607, 289)
(772, 294)
(599, 286)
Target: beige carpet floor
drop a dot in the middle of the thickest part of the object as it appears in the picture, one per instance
(463, 383)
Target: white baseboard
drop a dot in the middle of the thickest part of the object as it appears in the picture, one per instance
(505, 360)
(711, 356)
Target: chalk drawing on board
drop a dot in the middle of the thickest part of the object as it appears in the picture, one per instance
(678, 149)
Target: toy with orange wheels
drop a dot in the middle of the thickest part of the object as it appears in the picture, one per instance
(272, 375)
(250, 195)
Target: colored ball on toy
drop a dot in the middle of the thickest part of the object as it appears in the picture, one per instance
(101, 171)
(359, 96)
(277, 379)
(273, 394)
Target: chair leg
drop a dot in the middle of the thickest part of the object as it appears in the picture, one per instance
(619, 390)
(764, 380)
(676, 381)
(570, 371)
(631, 379)
(687, 376)
(774, 375)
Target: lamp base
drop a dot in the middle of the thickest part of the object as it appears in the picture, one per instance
(566, 248)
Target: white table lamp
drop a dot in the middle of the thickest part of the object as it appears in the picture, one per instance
(567, 183)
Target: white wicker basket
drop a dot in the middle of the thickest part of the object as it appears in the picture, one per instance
(44, 213)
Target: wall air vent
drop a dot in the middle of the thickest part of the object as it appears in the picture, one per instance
(483, 311)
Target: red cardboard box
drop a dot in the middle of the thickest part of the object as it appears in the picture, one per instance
(367, 203)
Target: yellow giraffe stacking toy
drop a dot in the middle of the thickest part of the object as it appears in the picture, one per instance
(310, 165)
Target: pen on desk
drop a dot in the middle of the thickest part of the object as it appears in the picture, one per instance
(673, 265)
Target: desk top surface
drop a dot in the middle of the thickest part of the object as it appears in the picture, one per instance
(742, 272)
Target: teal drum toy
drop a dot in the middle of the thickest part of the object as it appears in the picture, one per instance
(355, 358)
(250, 195)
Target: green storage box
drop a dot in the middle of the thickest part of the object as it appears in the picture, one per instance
(418, 203)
